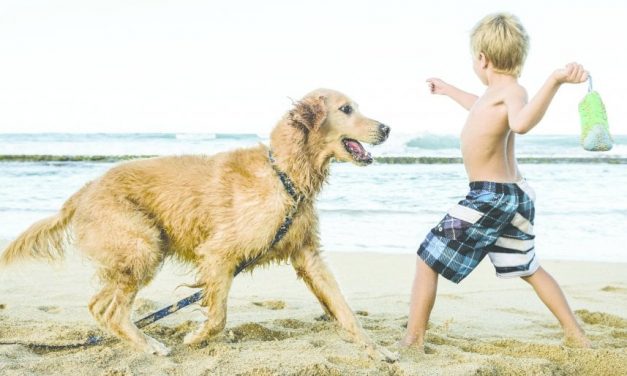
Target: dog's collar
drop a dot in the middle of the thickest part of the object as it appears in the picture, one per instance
(288, 184)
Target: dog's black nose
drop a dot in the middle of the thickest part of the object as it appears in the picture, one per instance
(384, 129)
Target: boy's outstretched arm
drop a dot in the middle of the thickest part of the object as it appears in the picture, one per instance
(523, 116)
(438, 86)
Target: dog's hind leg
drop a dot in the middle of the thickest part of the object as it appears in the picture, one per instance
(216, 277)
(112, 308)
(311, 268)
(127, 261)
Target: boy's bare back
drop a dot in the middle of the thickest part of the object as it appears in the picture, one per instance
(487, 142)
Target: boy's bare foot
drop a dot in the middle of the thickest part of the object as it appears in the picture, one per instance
(577, 340)
(413, 343)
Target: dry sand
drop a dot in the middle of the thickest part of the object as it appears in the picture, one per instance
(485, 326)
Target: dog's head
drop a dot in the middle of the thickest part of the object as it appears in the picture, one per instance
(333, 122)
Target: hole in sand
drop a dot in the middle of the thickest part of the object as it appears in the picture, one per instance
(256, 332)
(271, 304)
(50, 309)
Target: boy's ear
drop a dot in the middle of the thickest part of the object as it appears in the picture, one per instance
(483, 60)
(309, 113)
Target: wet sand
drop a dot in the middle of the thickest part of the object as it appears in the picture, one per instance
(485, 326)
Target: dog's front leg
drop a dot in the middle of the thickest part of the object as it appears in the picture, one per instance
(216, 278)
(312, 269)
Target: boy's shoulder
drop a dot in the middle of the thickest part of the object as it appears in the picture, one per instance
(516, 88)
(512, 92)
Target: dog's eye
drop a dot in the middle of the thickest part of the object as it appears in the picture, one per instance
(347, 109)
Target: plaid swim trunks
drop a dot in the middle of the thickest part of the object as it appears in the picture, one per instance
(495, 219)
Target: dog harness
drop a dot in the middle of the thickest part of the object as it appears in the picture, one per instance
(289, 187)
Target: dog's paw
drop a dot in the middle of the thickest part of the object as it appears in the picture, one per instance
(157, 348)
(193, 338)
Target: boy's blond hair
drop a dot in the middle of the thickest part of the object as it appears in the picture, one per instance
(503, 40)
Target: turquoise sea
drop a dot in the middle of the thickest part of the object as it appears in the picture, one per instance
(386, 207)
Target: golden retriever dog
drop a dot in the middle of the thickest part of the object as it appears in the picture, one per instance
(214, 212)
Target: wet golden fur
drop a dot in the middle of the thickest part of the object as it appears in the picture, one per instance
(213, 212)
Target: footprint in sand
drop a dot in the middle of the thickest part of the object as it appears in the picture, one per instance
(619, 334)
(450, 296)
(620, 290)
(117, 372)
(50, 309)
(525, 358)
(291, 323)
(601, 318)
(317, 343)
(346, 361)
(263, 371)
(255, 332)
(516, 311)
(271, 304)
(319, 369)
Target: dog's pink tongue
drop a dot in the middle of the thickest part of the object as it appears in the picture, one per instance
(356, 148)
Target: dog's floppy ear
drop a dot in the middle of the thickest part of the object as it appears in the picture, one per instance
(309, 113)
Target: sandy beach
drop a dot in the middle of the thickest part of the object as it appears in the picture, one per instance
(485, 326)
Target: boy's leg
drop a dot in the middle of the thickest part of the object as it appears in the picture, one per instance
(422, 299)
(455, 247)
(552, 296)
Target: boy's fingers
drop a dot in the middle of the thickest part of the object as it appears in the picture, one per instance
(568, 68)
(585, 76)
(580, 73)
(574, 74)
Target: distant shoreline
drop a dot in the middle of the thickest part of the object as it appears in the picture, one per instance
(382, 160)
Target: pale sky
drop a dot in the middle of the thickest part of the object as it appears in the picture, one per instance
(231, 66)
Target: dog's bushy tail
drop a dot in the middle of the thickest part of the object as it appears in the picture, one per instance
(45, 239)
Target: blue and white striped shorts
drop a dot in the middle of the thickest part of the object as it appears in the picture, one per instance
(495, 219)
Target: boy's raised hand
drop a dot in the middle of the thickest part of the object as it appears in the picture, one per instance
(572, 73)
(436, 86)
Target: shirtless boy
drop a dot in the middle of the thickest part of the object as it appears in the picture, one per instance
(496, 217)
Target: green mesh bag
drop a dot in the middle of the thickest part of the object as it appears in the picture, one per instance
(595, 131)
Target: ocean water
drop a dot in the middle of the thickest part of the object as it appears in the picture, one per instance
(398, 145)
(581, 207)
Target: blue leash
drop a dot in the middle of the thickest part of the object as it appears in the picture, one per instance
(156, 316)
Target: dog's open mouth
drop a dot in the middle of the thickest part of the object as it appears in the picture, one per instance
(357, 151)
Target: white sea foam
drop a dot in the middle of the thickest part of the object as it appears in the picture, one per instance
(184, 143)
